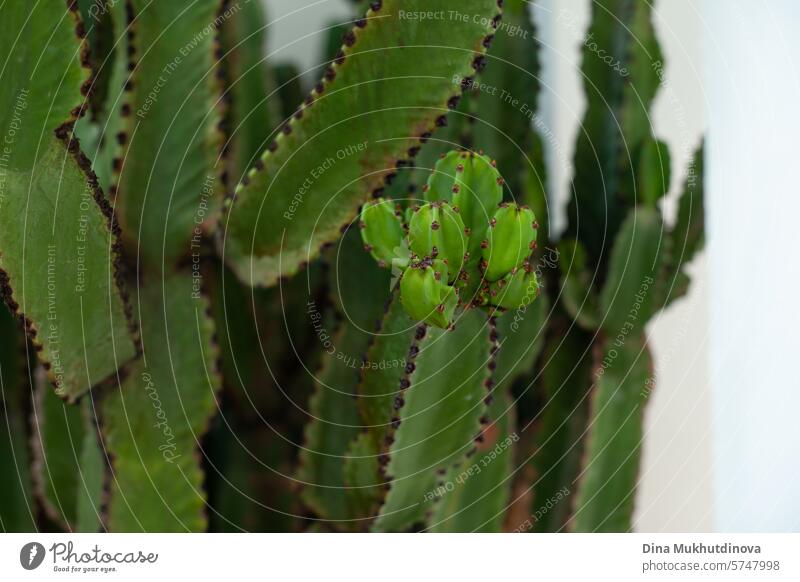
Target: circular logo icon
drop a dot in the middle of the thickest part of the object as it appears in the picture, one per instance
(31, 555)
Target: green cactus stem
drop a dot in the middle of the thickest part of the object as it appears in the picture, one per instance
(165, 200)
(17, 509)
(69, 466)
(152, 425)
(630, 297)
(59, 255)
(438, 413)
(387, 80)
(472, 496)
(578, 290)
(610, 467)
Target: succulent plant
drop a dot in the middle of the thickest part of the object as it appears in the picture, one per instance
(239, 303)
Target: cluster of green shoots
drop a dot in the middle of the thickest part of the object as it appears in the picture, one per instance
(461, 247)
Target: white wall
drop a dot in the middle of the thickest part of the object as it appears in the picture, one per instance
(752, 57)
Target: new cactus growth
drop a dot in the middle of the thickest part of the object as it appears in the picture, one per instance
(520, 287)
(439, 239)
(510, 239)
(470, 182)
(331, 288)
(382, 232)
(436, 231)
(426, 295)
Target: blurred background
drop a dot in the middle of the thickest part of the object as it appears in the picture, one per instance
(721, 445)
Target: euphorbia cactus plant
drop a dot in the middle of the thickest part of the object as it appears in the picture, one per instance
(246, 304)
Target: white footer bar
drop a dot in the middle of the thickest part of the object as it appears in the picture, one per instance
(406, 558)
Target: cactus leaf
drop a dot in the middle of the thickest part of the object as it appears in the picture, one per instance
(68, 468)
(16, 504)
(629, 296)
(169, 190)
(58, 259)
(387, 81)
(153, 424)
(334, 423)
(439, 416)
(474, 494)
(609, 474)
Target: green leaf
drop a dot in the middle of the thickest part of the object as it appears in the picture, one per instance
(97, 21)
(93, 471)
(68, 464)
(57, 248)
(154, 422)
(439, 415)
(475, 493)
(168, 191)
(610, 469)
(630, 295)
(16, 505)
(644, 63)
(373, 106)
